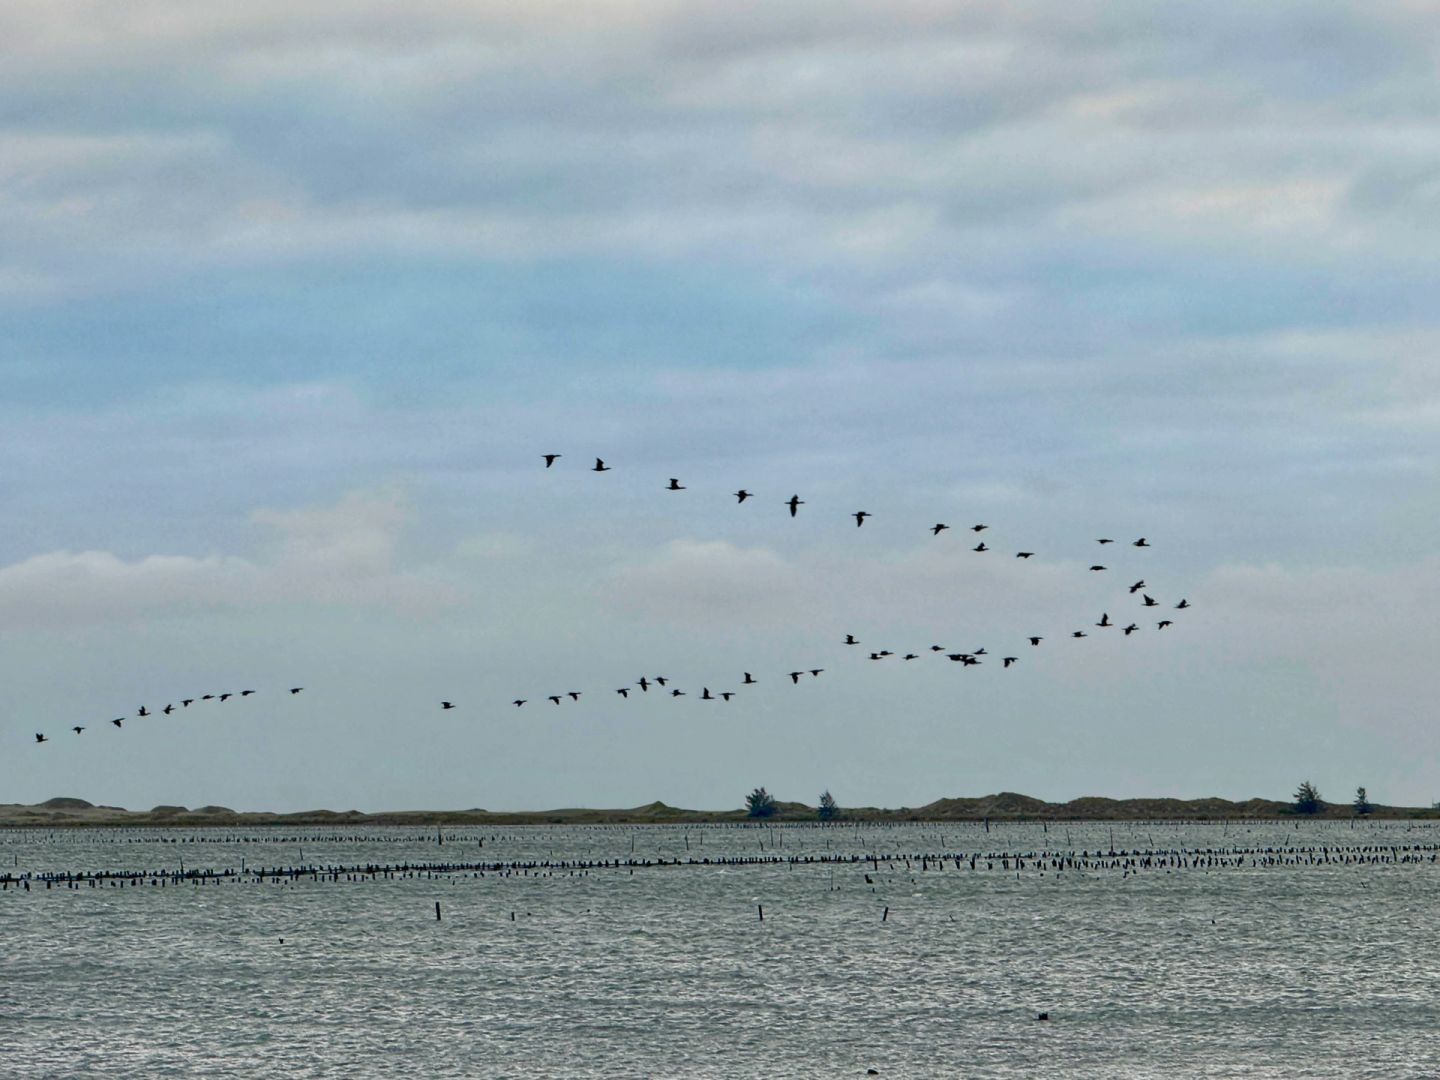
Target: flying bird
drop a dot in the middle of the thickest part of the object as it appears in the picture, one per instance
(574, 695)
(550, 459)
(910, 656)
(661, 680)
(749, 678)
(727, 694)
(794, 502)
(211, 697)
(624, 692)
(677, 693)
(1036, 640)
(874, 656)
(40, 737)
(816, 671)
(978, 528)
(187, 702)
(246, 693)
(1079, 633)
(555, 698)
(851, 639)
(937, 648)
(1097, 566)
(1183, 604)
(1104, 540)
(447, 704)
(980, 547)
(795, 676)
(168, 709)
(1142, 542)
(296, 689)
(1137, 586)
(1010, 660)
(519, 701)
(1163, 623)
(1023, 554)
(938, 528)
(644, 685)
(860, 516)
(77, 729)
(1131, 629)
(600, 466)
(1149, 601)
(143, 711)
(707, 696)
(675, 485)
(742, 495)
(226, 696)
(1104, 619)
(119, 721)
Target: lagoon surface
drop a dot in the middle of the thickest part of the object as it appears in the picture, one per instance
(1256, 949)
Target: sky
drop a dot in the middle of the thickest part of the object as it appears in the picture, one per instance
(294, 298)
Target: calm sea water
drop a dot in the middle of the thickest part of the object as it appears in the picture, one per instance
(1298, 968)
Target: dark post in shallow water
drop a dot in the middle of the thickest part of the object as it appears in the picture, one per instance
(437, 910)
(761, 909)
(885, 915)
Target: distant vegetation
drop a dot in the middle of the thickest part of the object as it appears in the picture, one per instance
(1362, 802)
(827, 810)
(760, 803)
(1307, 798)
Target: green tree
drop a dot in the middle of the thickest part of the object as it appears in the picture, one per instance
(1362, 802)
(1307, 798)
(760, 803)
(828, 810)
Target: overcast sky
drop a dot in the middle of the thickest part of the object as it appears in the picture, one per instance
(293, 298)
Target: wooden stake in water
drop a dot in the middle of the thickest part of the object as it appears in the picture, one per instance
(437, 910)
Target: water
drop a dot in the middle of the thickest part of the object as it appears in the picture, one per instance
(1300, 968)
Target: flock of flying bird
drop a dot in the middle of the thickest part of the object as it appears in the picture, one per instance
(661, 683)
(966, 659)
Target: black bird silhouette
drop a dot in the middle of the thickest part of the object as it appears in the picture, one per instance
(727, 694)
(1036, 640)
(1079, 633)
(851, 639)
(187, 702)
(246, 693)
(624, 692)
(938, 528)
(1104, 619)
(978, 528)
(749, 678)
(119, 721)
(168, 709)
(1104, 540)
(644, 685)
(794, 502)
(937, 648)
(519, 701)
(143, 711)
(1163, 623)
(77, 729)
(40, 737)
(574, 695)
(1097, 567)
(1023, 554)
(910, 656)
(600, 466)
(677, 693)
(661, 680)
(816, 671)
(707, 696)
(550, 459)
(795, 676)
(980, 547)
(447, 704)
(675, 485)
(1142, 542)
(742, 495)
(555, 698)
(1149, 601)
(1131, 629)
(860, 516)
(226, 696)
(296, 689)
(211, 697)
(874, 656)
(971, 661)
(980, 652)
(1009, 660)
(1183, 604)
(1137, 586)
(957, 655)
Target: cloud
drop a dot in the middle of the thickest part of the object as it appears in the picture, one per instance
(341, 555)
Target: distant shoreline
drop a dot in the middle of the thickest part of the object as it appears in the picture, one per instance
(1006, 806)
